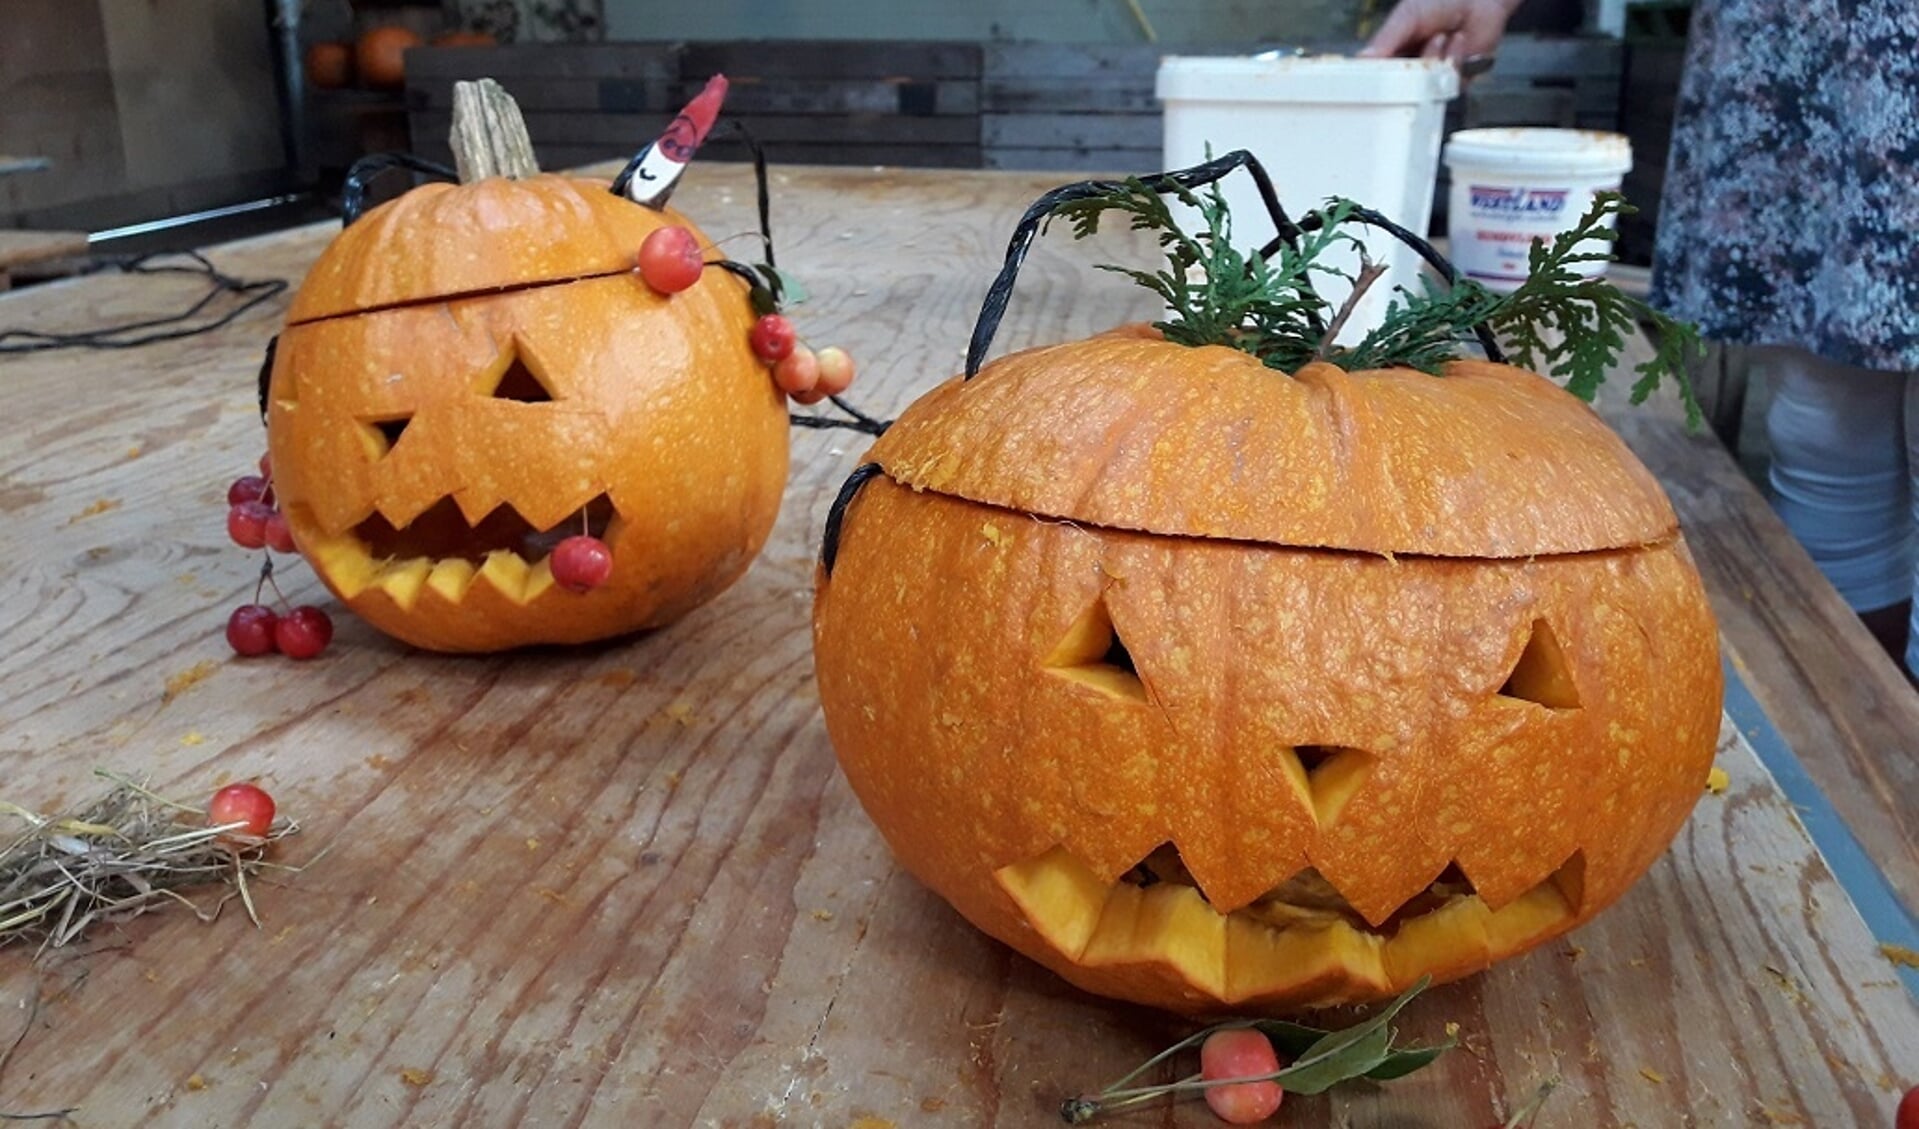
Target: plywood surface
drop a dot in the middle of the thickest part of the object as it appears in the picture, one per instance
(627, 886)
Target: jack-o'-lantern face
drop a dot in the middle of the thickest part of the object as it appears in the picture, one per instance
(472, 373)
(1290, 693)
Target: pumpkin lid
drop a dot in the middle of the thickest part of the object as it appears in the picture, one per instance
(1127, 431)
(445, 240)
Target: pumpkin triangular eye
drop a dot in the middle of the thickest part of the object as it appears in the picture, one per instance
(516, 375)
(1542, 675)
(1093, 655)
(379, 435)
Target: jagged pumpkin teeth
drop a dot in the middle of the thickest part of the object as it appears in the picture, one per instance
(1218, 685)
(472, 373)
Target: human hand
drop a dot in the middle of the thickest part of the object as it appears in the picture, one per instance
(1441, 29)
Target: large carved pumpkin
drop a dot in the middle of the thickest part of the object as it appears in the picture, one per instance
(472, 372)
(1214, 689)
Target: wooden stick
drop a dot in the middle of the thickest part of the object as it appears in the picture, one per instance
(489, 136)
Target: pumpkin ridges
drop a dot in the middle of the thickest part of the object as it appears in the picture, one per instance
(1431, 453)
(441, 240)
(953, 815)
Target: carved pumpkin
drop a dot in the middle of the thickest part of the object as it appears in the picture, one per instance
(1212, 689)
(472, 372)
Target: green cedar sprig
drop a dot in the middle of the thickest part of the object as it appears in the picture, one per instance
(1558, 322)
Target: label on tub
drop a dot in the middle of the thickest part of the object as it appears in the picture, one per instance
(1499, 200)
(1494, 225)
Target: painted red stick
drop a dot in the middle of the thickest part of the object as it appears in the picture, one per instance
(649, 177)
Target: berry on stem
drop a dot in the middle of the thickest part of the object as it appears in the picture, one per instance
(670, 259)
(250, 629)
(798, 373)
(303, 632)
(1908, 1115)
(249, 488)
(245, 804)
(836, 370)
(279, 536)
(1240, 1052)
(247, 524)
(581, 563)
(773, 338)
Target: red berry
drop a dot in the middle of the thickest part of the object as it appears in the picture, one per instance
(1908, 1115)
(670, 259)
(836, 370)
(250, 629)
(1240, 1052)
(247, 524)
(773, 338)
(303, 632)
(581, 563)
(798, 373)
(812, 396)
(244, 804)
(279, 535)
(249, 488)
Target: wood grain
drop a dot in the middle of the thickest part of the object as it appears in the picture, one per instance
(627, 886)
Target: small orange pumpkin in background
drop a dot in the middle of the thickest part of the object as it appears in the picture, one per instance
(1217, 688)
(471, 373)
(329, 66)
(380, 55)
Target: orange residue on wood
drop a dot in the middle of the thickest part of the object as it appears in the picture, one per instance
(617, 679)
(1900, 955)
(1651, 1075)
(413, 1076)
(187, 679)
(100, 506)
(1717, 781)
(196, 1083)
(871, 1123)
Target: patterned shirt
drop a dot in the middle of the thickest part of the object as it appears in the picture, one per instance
(1791, 206)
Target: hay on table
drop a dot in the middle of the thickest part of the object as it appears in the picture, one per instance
(118, 857)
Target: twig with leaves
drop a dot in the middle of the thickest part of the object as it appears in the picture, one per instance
(1321, 1059)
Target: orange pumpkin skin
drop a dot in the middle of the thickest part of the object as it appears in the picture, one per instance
(382, 409)
(329, 66)
(380, 55)
(1332, 590)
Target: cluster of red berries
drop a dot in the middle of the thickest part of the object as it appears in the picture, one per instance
(670, 261)
(801, 373)
(255, 522)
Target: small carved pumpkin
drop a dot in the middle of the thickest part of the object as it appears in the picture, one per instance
(1212, 688)
(473, 372)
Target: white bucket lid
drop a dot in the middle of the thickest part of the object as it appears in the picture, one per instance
(1305, 78)
(1571, 152)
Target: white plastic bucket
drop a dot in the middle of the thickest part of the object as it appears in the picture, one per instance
(1365, 129)
(1513, 186)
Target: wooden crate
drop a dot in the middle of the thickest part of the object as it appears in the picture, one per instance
(1070, 106)
(847, 103)
(582, 102)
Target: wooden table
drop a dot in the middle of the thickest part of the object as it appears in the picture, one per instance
(626, 885)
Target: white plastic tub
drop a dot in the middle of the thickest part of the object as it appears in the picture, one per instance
(1513, 186)
(1365, 129)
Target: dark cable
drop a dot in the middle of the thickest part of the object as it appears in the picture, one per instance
(169, 327)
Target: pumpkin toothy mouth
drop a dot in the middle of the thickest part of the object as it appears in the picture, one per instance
(442, 551)
(1300, 932)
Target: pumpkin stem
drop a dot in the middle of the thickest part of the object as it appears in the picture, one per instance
(489, 136)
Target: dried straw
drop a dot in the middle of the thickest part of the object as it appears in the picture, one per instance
(126, 853)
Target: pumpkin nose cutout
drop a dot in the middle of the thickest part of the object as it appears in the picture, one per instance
(1541, 675)
(520, 383)
(1094, 656)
